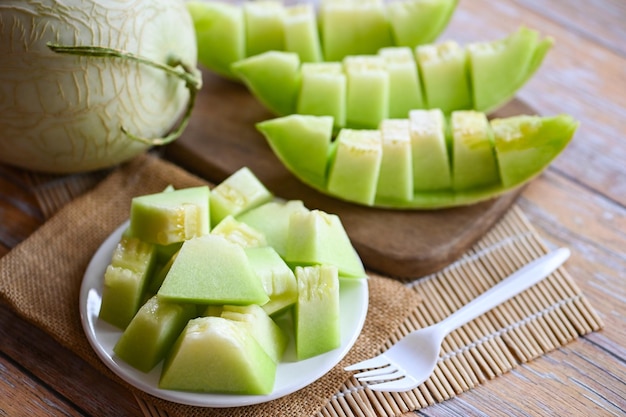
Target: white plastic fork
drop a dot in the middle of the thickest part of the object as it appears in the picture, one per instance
(412, 360)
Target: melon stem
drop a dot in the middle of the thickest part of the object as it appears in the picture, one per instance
(175, 67)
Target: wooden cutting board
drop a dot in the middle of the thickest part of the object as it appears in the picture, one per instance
(221, 138)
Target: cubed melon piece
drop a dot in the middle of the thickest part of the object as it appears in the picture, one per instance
(211, 270)
(214, 354)
(395, 181)
(317, 325)
(431, 164)
(355, 165)
(278, 279)
(301, 32)
(239, 233)
(168, 217)
(261, 326)
(125, 281)
(264, 26)
(474, 159)
(444, 71)
(319, 238)
(152, 333)
(241, 191)
(323, 91)
(272, 219)
(367, 93)
(405, 91)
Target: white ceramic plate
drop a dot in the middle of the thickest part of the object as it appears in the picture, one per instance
(291, 375)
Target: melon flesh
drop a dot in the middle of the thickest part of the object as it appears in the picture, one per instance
(264, 26)
(240, 233)
(395, 181)
(431, 164)
(417, 22)
(367, 93)
(301, 32)
(323, 91)
(405, 92)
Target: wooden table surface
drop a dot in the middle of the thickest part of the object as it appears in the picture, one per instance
(579, 202)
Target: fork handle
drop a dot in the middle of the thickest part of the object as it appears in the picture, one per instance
(506, 289)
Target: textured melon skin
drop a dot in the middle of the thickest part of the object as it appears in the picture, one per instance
(524, 146)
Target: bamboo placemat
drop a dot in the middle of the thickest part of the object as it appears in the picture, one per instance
(550, 314)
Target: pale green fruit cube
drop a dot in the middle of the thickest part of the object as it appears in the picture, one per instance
(125, 281)
(211, 270)
(264, 26)
(241, 191)
(261, 326)
(152, 333)
(220, 33)
(301, 32)
(431, 164)
(278, 279)
(272, 219)
(395, 181)
(355, 167)
(367, 93)
(217, 355)
(319, 238)
(353, 27)
(172, 216)
(317, 315)
(323, 91)
(443, 68)
(417, 22)
(239, 233)
(474, 159)
(405, 91)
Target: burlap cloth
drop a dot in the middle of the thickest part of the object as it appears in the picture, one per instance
(41, 278)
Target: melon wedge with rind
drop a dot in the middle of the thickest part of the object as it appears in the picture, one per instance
(314, 135)
(395, 180)
(152, 332)
(231, 360)
(367, 92)
(353, 27)
(211, 270)
(301, 32)
(323, 91)
(317, 327)
(264, 26)
(444, 76)
(220, 34)
(499, 68)
(405, 91)
(319, 238)
(474, 159)
(273, 77)
(418, 22)
(355, 165)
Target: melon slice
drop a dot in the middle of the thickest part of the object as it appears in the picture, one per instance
(152, 333)
(474, 159)
(395, 180)
(278, 279)
(125, 281)
(220, 34)
(443, 68)
(355, 165)
(323, 91)
(314, 135)
(499, 68)
(273, 77)
(405, 92)
(231, 359)
(272, 219)
(417, 22)
(240, 233)
(525, 145)
(211, 270)
(301, 32)
(353, 27)
(367, 92)
(431, 163)
(317, 311)
(264, 26)
(168, 217)
(319, 238)
(241, 191)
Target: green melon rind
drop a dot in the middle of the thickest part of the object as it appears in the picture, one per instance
(545, 138)
(408, 17)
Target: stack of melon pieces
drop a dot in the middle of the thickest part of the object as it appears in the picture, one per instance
(200, 275)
